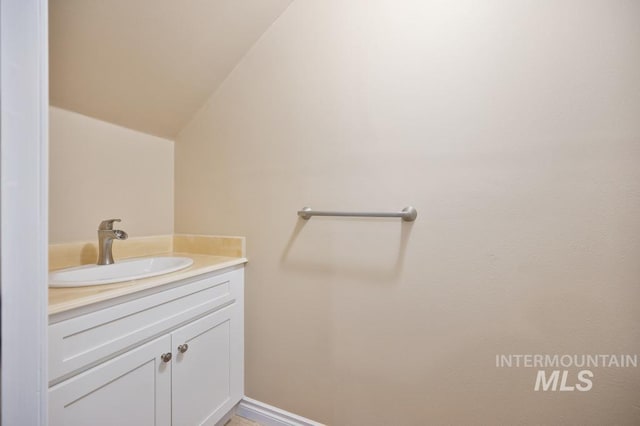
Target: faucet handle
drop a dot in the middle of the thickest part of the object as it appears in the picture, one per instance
(107, 225)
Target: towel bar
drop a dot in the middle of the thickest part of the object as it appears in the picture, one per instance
(408, 214)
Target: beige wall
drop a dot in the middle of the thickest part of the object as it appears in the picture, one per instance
(99, 171)
(149, 64)
(512, 127)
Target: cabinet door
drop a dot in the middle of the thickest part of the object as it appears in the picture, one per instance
(207, 377)
(132, 389)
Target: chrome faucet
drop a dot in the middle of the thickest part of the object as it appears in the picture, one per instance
(106, 235)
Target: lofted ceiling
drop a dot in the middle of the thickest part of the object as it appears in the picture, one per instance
(149, 65)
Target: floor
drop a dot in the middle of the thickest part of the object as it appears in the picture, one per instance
(241, 421)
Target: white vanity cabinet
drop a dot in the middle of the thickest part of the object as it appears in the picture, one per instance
(170, 357)
(131, 389)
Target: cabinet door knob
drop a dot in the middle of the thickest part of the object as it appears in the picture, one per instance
(166, 357)
(183, 348)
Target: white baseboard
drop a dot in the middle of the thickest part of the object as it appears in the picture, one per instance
(268, 415)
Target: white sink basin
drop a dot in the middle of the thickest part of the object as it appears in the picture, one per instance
(123, 270)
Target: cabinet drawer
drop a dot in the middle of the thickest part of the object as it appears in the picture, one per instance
(82, 341)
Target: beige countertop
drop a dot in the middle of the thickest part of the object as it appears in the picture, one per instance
(63, 299)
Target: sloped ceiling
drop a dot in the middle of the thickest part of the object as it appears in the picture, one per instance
(148, 65)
